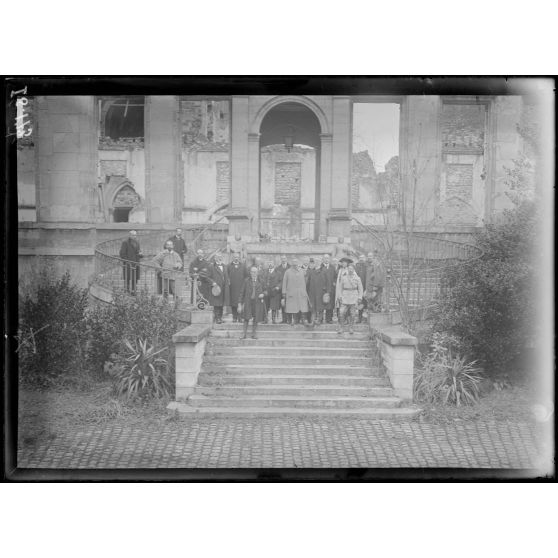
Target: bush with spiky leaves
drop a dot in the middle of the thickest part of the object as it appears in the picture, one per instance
(141, 372)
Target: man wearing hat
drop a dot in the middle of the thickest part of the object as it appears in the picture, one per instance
(349, 294)
(342, 271)
(130, 252)
(219, 288)
(317, 287)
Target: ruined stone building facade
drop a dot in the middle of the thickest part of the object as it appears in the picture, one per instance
(97, 166)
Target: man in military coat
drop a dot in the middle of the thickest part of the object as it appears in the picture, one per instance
(237, 274)
(220, 278)
(130, 252)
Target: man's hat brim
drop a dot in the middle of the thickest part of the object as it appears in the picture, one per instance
(348, 260)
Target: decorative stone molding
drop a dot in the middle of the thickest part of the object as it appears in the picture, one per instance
(397, 351)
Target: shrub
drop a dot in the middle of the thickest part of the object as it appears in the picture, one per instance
(489, 303)
(141, 372)
(142, 317)
(442, 377)
(52, 328)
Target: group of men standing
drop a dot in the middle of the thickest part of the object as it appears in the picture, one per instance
(306, 291)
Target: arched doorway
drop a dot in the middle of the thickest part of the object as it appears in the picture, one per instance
(289, 179)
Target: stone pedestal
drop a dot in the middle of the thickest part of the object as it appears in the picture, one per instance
(239, 222)
(397, 350)
(189, 348)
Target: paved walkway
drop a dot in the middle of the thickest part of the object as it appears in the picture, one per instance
(289, 443)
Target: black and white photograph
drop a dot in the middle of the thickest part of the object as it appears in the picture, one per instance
(213, 279)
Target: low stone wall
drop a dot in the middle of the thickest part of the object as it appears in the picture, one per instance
(189, 345)
(397, 353)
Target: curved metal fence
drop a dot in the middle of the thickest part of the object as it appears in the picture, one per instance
(117, 275)
(414, 264)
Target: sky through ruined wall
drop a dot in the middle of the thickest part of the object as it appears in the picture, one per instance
(376, 129)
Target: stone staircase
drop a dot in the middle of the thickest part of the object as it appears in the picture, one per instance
(292, 371)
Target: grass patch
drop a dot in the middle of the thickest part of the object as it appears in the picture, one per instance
(514, 404)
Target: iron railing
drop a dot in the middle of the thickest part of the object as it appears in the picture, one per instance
(414, 265)
(117, 275)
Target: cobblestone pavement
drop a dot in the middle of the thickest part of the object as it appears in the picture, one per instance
(289, 443)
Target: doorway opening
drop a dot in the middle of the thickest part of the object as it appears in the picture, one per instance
(289, 192)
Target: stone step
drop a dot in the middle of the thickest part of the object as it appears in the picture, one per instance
(308, 369)
(338, 342)
(254, 412)
(243, 379)
(268, 350)
(297, 390)
(303, 401)
(297, 332)
(230, 326)
(316, 361)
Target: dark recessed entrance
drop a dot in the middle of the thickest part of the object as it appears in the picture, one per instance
(289, 192)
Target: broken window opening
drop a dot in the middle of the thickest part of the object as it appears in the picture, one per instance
(123, 117)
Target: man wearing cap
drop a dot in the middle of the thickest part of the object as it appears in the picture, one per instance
(130, 252)
(349, 294)
(179, 245)
(294, 292)
(219, 288)
(237, 274)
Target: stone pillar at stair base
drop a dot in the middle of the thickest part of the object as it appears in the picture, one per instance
(189, 346)
(397, 350)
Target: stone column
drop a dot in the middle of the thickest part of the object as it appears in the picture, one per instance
(339, 218)
(325, 180)
(163, 203)
(254, 181)
(239, 210)
(67, 156)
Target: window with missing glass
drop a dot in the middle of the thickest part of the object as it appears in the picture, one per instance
(122, 117)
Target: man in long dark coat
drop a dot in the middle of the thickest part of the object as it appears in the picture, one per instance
(251, 302)
(361, 269)
(179, 245)
(200, 267)
(220, 278)
(276, 283)
(331, 279)
(130, 252)
(267, 275)
(237, 273)
(317, 287)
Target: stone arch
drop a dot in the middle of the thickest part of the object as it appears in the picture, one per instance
(280, 99)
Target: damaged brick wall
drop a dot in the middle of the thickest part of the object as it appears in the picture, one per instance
(287, 183)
